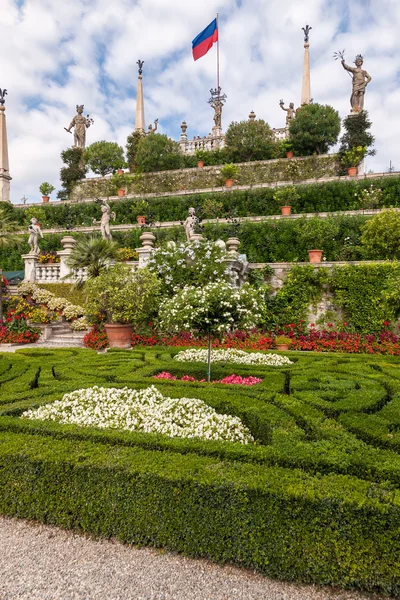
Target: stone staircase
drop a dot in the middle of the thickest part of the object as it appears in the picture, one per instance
(63, 336)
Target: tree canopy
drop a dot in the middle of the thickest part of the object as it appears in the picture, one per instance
(315, 129)
(157, 152)
(104, 157)
(249, 140)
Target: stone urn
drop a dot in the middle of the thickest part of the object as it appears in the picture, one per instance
(196, 237)
(232, 245)
(147, 239)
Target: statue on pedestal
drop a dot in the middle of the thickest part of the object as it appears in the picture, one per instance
(105, 221)
(361, 79)
(291, 112)
(189, 225)
(34, 232)
(80, 123)
(217, 102)
(151, 129)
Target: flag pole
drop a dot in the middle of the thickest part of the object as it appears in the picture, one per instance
(218, 54)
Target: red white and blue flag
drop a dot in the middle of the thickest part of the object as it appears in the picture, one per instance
(204, 41)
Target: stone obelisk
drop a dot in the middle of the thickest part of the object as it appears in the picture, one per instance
(5, 177)
(306, 88)
(139, 125)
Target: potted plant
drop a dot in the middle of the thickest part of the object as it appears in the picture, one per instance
(282, 342)
(49, 257)
(314, 233)
(352, 158)
(141, 219)
(46, 189)
(286, 148)
(127, 299)
(120, 182)
(228, 172)
(201, 156)
(126, 254)
(286, 196)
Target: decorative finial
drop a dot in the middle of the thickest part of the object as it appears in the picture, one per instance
(3, 93)
(252, 115)
(140, 64)
(306, 30)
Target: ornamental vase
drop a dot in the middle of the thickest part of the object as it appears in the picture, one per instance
(289, 154)
(147, 239)
(286, 210)
(46, 198)
(141, 219)
(229, 182)
(200, 164)
(282, 347)
(314, 256)
(119, 334)
(232, 244)
(121, 193)
(352, 171)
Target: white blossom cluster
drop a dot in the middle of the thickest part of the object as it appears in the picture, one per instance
(42, 296)
(239, 357)
(147, 411)
(80, 324)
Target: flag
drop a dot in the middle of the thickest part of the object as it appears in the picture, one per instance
(204, 41)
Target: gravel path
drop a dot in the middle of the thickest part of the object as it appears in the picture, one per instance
(38, 562)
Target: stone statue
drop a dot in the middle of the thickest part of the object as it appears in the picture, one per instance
(360, 81)
(151, 130)
(80, 123)
(291, 112)
(190, 224)
(105, 221)
(34, 232)
(217, 106)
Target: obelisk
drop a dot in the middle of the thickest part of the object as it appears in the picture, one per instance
(5, 177)
(140, 126)
(306, 89)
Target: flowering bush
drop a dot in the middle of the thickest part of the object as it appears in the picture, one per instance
(41, 296)
(230, 379)
(71, 311)
(234, 356)
(96, 339)
(28, 336)
(190, 263)
(126, 254)
(145, 410)
(38, 315)
(56, 303)
(49, 257)
(80, 324)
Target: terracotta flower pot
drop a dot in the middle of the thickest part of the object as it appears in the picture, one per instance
(286, 210)
(200, 164)
(119, 335)
(46, 198)
(120, 171)
(229, 182)
(282, 346)
(314, 256)
(352, 171)
(289, 154)
(121, 193)
(141, 219)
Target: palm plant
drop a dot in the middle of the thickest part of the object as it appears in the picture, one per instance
(8, 239)
(92, 253)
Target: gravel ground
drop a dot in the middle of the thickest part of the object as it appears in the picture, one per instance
(38, 562)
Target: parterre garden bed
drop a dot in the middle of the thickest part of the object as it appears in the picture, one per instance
(315, 498)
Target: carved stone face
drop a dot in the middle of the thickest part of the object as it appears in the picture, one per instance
(359, 62)
(291, 105)
(79, 110)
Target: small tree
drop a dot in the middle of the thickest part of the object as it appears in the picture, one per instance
(381, 235)
(92, 253)
(157, 152)
(213, 309)
(46, 188)
(132, 143)
(249, 140)
(73, 171)
(104, 157)
(356, 133)
(315, 129)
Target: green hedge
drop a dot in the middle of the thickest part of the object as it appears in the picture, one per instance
(316, 499)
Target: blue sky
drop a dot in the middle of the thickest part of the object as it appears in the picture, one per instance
(55, 55)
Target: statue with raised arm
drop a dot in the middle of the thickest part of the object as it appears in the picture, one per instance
(104, 222)
(34, 232)
(81, 123)
(291, 112)
(151, 129)
(360, 81)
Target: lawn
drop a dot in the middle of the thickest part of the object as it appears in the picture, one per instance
(315, 498)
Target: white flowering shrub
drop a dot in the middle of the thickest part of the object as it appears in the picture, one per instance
(72, 311)
(147, 411)
(231, 355)
(217, 307)
(57, 303)
(189, 263)
(80, 324)
(41, 296)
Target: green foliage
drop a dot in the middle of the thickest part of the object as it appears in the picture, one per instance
(381, 235)
(73, 171)
(132, 143)
(286, 196)
(317, 233)
(104, 157)
(157, 152)
(249, 140)
(124, 296)
(315, 129)
(92, 253)
(46, 188)
(353, 157)
(229, 171)
(356, 133)
(316, 499)
(66, 290)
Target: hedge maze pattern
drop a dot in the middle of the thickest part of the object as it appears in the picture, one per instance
(327, 432)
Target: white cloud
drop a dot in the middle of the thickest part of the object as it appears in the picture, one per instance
(56, 54)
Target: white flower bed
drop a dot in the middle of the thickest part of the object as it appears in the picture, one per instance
(146, 411)
(239, 357)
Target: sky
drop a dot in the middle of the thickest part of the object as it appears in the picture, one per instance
(55, 55)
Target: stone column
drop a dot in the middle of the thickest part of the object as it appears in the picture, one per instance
(4, 165)
(183, 139)
(68, 244)
(147, 239)
(140, 123)
(306, 89)
(31, 260)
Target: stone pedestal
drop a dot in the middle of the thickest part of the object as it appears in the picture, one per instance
(68, 244)
(196, 237)
(147, 238)
(31, 260)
